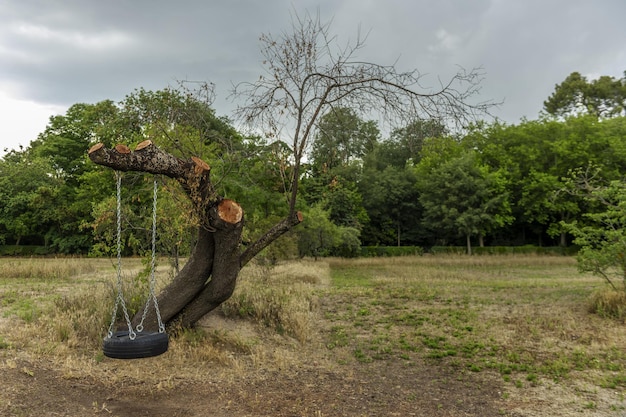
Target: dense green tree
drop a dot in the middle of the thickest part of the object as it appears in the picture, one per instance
(390, 197)
(63, 145)
(436, 151)
(341, 142)
(319, 236)
(410, 139)
(601, 233)
(602, 97)
(535, 156)
(463, 199)
(66, 137)
(29, 199)
(342, 137)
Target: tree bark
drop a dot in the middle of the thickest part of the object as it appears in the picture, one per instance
(209, 277)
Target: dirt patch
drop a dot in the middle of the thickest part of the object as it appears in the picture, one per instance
(352, 361)
(33, 389)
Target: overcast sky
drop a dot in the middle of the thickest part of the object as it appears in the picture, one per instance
(55, 53)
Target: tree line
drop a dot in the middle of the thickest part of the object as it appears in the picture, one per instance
(420, 185)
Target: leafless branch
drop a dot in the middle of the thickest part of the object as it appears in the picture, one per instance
(305, 73)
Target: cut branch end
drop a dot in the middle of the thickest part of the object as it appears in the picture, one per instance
(143, 145)
(123, 149)
(230, 211)
(200, 166)
(95, 147)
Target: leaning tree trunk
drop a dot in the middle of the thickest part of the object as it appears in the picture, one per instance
(208, 278)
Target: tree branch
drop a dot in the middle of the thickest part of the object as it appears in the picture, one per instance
(271, 235)
(192, 174)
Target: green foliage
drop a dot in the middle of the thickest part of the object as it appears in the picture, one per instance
(377, 251)
(29, 197)
(319, 236)
(419, 186)
(390, 197)
(342, 137)
(461, 198)
(601, 97)
(535, 156)
(601, 234)
(348, 244)
(410, 139)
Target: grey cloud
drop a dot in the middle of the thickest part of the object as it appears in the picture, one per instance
(69, 51)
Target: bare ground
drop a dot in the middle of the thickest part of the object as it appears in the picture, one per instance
(272, 376)
(311, 385)
(33, 388)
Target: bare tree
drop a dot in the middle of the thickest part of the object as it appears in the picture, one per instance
(306, 74)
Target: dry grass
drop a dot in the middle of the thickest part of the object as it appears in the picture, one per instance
(609, 303)
(524, 318)
(62, 309)
(46, 268)
(281, 298)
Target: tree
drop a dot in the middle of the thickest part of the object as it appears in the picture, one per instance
(29, 199)
(63, 144)
(411, 138)
(602, 97)
(305, 76)
(601, 234)
(462, 198)
(341, 138)
(319, 235)
(534, 156)
(390, 197)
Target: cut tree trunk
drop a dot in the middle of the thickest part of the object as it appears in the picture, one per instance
(209, 277)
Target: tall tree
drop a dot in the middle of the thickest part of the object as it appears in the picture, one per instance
(411, 137)
(535, 155)
(29, 199)
(341, 137)
(390, 197)
(602, 97)
(63, 144)
(461, 198)
(306, 76)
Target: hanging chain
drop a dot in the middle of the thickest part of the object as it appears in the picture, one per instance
(152, 297)
(119, 299)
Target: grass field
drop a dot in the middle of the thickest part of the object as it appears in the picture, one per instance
(522, 323)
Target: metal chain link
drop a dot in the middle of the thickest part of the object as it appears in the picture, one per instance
(152, 297)
(119, 299)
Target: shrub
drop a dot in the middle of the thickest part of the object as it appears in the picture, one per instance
(23, 250)
(507, 250)
(609, 303)
(381, 251)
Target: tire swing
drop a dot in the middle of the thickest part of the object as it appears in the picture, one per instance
(134, 343)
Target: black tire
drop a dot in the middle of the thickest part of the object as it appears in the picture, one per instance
(145, 345)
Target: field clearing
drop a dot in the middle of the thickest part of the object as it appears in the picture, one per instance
(432, 336)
